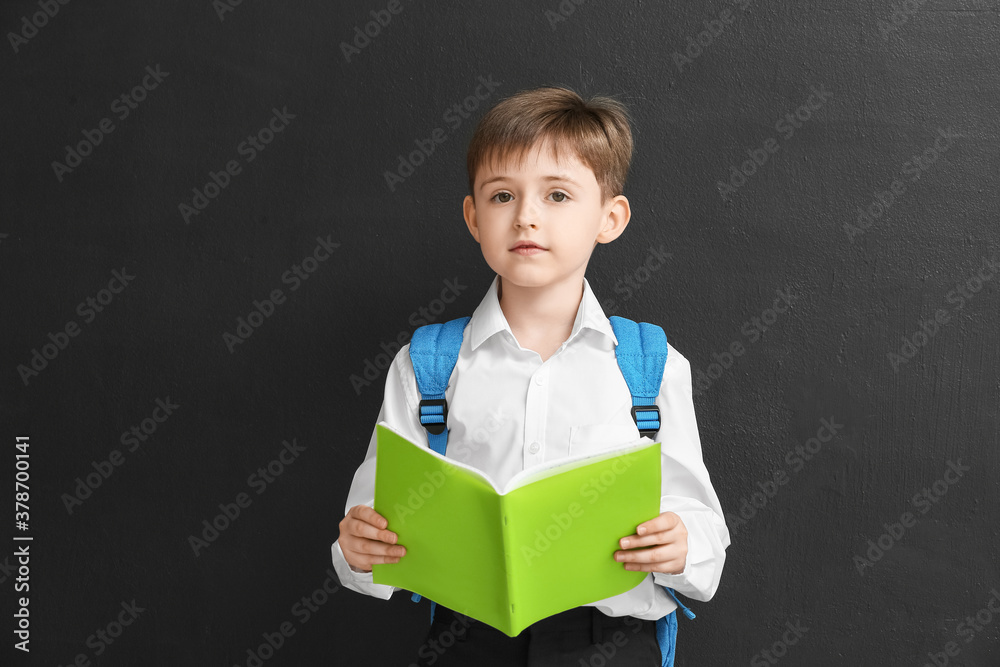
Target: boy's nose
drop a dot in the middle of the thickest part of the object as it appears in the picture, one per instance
(526, 216)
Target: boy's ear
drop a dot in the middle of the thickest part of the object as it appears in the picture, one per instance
(469, 211)
(617, 216)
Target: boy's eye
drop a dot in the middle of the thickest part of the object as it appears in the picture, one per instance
(504, 197)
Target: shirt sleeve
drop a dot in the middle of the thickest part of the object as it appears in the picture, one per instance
(686, 486)
(399, 410)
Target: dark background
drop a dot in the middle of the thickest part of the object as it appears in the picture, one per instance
(857, 297)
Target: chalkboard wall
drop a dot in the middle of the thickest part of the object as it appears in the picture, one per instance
(220, 219)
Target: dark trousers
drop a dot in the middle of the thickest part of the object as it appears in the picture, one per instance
(581, 637)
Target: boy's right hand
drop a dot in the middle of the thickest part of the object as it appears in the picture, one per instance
(365, 540)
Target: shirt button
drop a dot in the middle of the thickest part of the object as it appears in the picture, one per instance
(533, 448)
(539, 380)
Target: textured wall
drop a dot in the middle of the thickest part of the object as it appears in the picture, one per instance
(823, 179)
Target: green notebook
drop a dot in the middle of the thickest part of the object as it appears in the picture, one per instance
(510, 557)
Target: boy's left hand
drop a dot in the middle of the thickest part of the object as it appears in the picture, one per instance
(667, 540)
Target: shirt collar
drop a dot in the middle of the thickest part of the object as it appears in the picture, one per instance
(488, 319)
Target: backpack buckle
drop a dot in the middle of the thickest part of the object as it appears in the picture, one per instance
(434, 415)
(648, 424)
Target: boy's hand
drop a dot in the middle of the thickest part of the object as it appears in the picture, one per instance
(667, 539)
(364, 540)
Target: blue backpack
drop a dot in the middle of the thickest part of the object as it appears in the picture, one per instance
(641, 353)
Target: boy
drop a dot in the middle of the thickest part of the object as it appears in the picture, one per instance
(537, 379)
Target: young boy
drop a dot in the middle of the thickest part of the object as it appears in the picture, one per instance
(537, 379)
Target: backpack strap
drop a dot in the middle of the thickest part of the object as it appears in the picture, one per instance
(642, 356)
(666, 630)
(434, 352)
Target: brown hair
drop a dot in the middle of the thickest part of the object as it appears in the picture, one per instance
(597, 129)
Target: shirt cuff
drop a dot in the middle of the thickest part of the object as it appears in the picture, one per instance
(700, 577)
(361, 582)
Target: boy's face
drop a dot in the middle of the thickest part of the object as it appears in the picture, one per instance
(556, 205)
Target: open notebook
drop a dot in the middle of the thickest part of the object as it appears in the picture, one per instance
(510, 556)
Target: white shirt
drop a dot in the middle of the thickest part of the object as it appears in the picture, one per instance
(509, 411)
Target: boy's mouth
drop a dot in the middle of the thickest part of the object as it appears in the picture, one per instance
(527, 248)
